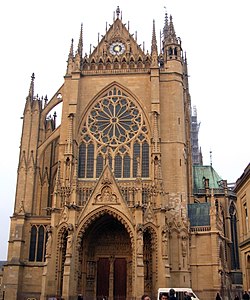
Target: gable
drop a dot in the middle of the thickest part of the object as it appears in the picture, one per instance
(117, 37)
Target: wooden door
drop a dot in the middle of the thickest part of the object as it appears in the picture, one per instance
(120, 279)
(102, 289)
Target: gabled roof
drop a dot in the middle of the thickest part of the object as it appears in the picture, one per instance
(200, 173)
(118, 33)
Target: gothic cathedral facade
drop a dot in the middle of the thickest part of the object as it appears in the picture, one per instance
(101, 200)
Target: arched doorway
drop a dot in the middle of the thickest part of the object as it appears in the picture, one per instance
(105, 261)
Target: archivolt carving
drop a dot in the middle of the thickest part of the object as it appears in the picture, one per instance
(100, 213)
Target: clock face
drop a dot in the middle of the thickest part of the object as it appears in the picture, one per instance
(116, 48)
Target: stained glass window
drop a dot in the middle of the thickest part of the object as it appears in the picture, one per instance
(114, 132)
(37, 243)
(145, 159)
(32, 243)
(90, 161)
(118, 166)
(81, 165)
(126, 166)
(40, 244)
(99, 165)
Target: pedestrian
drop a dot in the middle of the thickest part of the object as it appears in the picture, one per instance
(172, 294)
(218, 297)
(187, 296)
(236, 297)
(246, 296)
(164, 296)
(145, 297)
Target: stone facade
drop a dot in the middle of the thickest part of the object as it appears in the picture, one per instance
(2, 287)
(214, 235)
(102, 200)
(242, 190)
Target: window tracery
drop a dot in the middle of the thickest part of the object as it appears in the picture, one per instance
(38, 237)
(115, 132)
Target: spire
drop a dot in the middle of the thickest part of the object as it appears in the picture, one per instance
(30, 96)
(71, 50)
(171, 36)
(154, 42)
(165, 28)
(154, 52)
(70, 58)
(118, 12)
(80, 43)
(171, 44)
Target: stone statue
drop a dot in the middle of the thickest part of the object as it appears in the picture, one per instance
(139, 242)
(165, 243)
(49, 241)
(70, 239)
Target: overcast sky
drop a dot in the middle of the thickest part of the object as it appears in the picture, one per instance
(36, 37)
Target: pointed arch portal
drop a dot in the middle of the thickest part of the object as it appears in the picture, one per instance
(105, 261)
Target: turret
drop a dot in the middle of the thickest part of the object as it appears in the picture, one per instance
(171, 44)
(28, 148)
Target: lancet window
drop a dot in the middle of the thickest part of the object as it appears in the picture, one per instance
(114, 132)
(38, 237)
(234, 245)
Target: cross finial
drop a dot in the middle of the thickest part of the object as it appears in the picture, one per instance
(118, 12)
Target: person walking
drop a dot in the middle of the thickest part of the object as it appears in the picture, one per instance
(164, 296)
(145, 297)
(187, 296)
(246, 296)
(218, 297)
(172, 294)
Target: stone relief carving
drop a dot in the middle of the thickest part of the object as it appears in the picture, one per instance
(21, 210)
(65, 214)
(149, 214)
(106, 196)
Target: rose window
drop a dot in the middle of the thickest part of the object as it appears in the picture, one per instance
(114, 132)
(114, 120)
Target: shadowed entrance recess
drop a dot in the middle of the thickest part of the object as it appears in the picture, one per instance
(106, 261)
